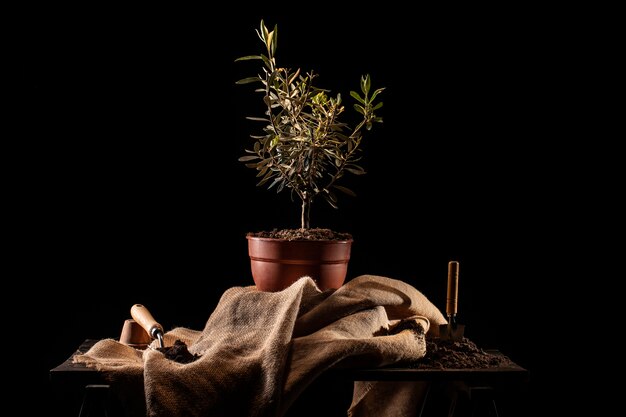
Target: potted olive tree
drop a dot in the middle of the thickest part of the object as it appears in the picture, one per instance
(305, 149)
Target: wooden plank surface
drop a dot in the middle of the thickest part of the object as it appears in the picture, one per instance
(69, 372)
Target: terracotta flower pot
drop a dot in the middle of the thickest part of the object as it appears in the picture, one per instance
(277, 263)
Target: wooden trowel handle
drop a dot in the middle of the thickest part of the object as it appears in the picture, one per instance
(453, 288)
(142, 316)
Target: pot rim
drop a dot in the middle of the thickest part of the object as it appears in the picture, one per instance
(273, 239)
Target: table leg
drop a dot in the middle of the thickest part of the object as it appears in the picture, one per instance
(95, 401)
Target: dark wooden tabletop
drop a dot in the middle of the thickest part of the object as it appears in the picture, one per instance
(72, 373)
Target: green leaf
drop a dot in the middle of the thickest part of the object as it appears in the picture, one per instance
(359, 108)
(270, 38)
(248, 80)
(330, 201)
(272, 78)
(275, 41)
(294, 76)
(266, 61)
(345, 190)
(249, 57)
(261, 164)
(259, 35)
(357, 97)
(365, 84)
(330, 152)
(355, 171)
(378, 106)
(276, 181)
(248, 158)
(377, 92)
(268, 176)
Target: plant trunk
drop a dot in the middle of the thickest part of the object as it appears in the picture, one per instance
(306, 213)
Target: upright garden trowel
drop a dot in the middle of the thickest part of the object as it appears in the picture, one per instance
(452, 330)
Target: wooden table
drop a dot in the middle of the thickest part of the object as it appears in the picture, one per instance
(481, 382)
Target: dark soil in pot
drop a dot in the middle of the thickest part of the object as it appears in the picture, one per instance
(303, 234)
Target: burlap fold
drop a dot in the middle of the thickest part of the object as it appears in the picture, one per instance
(260, 350)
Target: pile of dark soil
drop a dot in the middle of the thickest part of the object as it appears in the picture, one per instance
(303, 234)
(464, 354)
(178, 352)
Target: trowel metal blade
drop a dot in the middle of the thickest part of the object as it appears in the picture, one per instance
(454, 332)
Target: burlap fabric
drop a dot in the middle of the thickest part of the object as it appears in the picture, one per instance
(260, 350)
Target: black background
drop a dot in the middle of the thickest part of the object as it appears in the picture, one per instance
(135, 195)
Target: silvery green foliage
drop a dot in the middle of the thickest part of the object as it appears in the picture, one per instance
(304, 147)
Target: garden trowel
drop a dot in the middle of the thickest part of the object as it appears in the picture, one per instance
(452, 330)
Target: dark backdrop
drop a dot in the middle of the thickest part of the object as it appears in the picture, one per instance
(135, 194)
